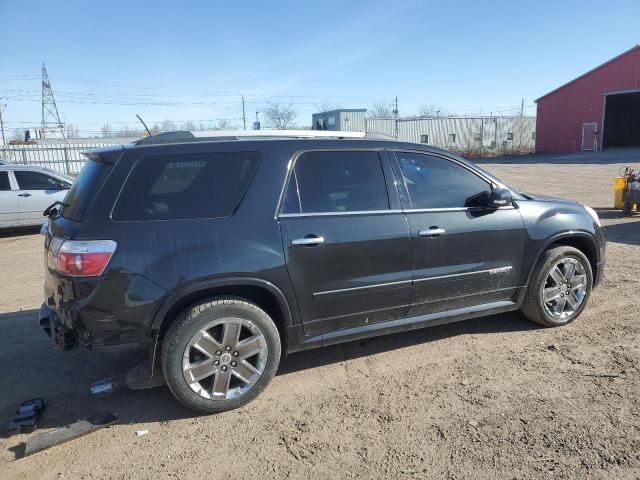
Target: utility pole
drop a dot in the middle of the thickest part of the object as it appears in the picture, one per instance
(4, 138)
(395, 114)
(50, 115)
(244, 117)
(521, 122)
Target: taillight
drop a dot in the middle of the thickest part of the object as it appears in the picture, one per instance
(80, 258)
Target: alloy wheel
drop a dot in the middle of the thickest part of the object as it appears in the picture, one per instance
(565, 288)
(225, 359)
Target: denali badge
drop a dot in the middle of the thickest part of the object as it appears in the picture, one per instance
(493, 271)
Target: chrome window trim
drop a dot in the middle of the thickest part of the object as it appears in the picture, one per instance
(455, 209)
(470, 168)
(332, 214)
(290, 168)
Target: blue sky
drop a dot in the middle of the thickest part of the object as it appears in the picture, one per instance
(193, 60)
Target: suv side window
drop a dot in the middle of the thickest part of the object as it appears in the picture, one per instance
(433, 182)
(171, 187)
(4, 182)
(36, 181)
(335, 181)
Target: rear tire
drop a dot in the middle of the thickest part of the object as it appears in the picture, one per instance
(220, 354)
(560, 287)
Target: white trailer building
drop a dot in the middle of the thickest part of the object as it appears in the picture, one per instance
(458, 133)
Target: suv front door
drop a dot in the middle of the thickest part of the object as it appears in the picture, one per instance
(465, 254)
(37, 191)
(346, 240)
(9, 212)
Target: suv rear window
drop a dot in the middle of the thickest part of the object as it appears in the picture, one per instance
(172, 187)
(84, 189)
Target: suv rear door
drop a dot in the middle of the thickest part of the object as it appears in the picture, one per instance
(465, 254)
(346, 240)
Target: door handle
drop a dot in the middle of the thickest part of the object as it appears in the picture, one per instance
(24, 194)
(308, 241)
(431, 232)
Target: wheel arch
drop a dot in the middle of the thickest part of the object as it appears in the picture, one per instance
(583, 241)
(261, 292)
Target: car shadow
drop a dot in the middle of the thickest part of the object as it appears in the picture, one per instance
(627, 233)
(505, 322)
(33, 367)
(19, 231)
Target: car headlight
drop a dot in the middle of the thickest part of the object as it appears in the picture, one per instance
(593, 214)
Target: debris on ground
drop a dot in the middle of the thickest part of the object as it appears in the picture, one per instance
(27, 416)
(103, 387)
(141, 432)
(69, 432)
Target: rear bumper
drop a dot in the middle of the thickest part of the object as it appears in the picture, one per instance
(65, 338)
(113, 311)
(68, 336)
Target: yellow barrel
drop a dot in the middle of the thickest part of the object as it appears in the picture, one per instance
(618, 188)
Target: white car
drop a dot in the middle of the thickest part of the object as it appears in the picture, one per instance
(26, 191)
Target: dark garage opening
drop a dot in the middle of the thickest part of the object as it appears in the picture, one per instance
(622, 120)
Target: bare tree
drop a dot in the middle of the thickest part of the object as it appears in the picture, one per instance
(106, 130)
(168, 126)
(223, 125)
(381, 110)
(189, 125)
(71, 130)
(155, 130)
(327, 107)
(280, 116)
(433, 110)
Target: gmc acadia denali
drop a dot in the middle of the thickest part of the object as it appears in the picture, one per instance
(222, 254)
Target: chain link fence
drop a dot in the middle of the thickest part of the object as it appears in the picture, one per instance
(62, 157)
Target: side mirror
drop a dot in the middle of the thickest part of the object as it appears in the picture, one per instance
(63, 186)
(500, 197)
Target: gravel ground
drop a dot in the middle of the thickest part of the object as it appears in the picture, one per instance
(496, 397)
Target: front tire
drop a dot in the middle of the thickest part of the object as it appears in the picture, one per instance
(220, 354)
(559, 288)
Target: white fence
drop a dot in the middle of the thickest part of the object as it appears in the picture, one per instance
(63, 157)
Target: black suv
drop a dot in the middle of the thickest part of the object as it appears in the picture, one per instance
(221, 255)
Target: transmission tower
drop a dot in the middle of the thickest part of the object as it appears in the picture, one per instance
(50, 115)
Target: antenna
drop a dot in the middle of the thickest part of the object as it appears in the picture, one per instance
(50, 115)
(144, 125)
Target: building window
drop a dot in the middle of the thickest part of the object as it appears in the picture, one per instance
(533, 136)
(424, 138)
(477, 137)
(505, 143)
(452, 138)
(331, 121)
(510, 136)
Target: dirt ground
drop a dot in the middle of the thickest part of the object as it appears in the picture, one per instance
(496, 397)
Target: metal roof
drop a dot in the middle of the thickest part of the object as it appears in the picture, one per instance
(636, 47)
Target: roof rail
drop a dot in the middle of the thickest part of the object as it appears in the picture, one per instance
(221, 135)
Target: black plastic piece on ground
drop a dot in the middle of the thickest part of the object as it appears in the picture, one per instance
(69, 432)
(27, 416)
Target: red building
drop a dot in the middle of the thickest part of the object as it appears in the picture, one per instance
(599, 109)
